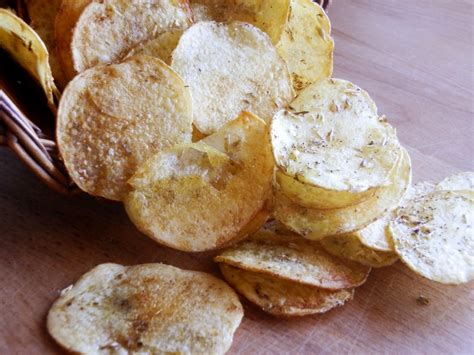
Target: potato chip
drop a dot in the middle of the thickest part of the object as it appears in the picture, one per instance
(64, 25)
(107, 30)
(231, 68)
(325, 163)
(306, 44)
(151, 308)
(283, 298)
(161, 46)
(348, 246)
(42, 14)
(317, 224)
(113, 118)
(293, 258)
(268, 15)
(458, 182)
(204, 195)
(434, 236)
(375, 235)
(25, 46)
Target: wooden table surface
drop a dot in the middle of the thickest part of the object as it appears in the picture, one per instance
(416, 58)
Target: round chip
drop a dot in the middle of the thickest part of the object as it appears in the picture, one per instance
(161, 46)
(306, 44)
(231, 67)
(204, 195)
(295, 259)
(317, 224)
(348, 246)
(112, 118)
(316, 146)
(107, 30)
(375, 235)
(283, 298)
(151, 308)
(434, 236)
(268, 15)
(458, 182)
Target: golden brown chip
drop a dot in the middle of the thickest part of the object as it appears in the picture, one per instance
(268, 15)
(113, 118)
(230, 68)
(348, 246)
(434, 236)
(151, 308)
(26, 47)
(205, 195)
(283, 298)
(306, 44)
(107, 30)
(296, 259)
(316, 224)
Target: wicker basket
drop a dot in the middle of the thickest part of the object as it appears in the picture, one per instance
(36, 149)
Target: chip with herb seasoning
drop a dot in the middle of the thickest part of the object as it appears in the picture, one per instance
(231, 67)
(434, 236)
(332, 149)
(281, 297)
(150, 308)
(112, 118)
(209, 194)
(316, 224)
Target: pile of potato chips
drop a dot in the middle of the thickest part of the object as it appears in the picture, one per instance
(207, 118)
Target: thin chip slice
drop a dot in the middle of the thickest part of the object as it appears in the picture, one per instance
(208, 194)
(151, 308)
(306, 44)
(107, 30)
(317, 224)
(42, 15)
(434, 236)
(268, 15)
(230, 68)
(375, 235)
(26, 47)
(161, 46)
(64, 25)
(283, 298)
(322, 163)
(293, 258)
(348, 246)
(458, 182)
(113, 118)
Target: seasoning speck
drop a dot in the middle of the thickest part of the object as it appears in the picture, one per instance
(422, 300)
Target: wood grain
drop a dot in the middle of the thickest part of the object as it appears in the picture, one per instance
(416, 58)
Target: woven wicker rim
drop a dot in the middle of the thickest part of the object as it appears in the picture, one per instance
(35, 149)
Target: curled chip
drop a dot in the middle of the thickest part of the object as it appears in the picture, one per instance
(375, 235)
(458, 182)
(316, 224)
(151, 308)
(283, 298)
(322, 163)
(348, 246)
(25, 46)
(230, 68)
(434, 236)
(42, 14)
(268, 15)
(112, 118)
(162, 46)
(107, 30)
(306, 44)
(205, 195)
(66, 19)
(295, 259)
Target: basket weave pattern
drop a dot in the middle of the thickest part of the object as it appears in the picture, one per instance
(35, 149)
